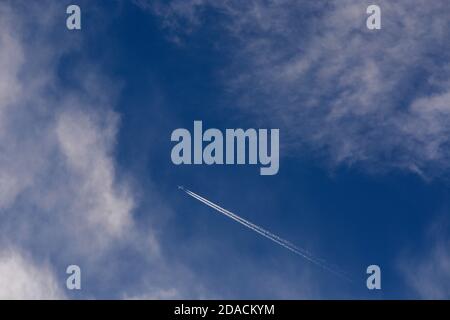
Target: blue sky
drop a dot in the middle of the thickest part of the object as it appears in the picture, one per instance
(86, 175)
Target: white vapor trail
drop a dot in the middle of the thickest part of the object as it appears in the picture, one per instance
(284, 243)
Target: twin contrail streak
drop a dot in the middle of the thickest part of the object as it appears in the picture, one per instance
(284, 243)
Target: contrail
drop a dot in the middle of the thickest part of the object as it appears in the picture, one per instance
(284, 243)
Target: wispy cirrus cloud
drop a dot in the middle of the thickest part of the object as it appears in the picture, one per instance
(63, 199)
(58, 180)
(21, 278)
(56, 147)
(375, 99)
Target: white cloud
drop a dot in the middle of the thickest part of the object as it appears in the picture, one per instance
(355, 96)
(60, 195)
(56, 150)
(427, 272)
(85, 148)
(20, 278)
